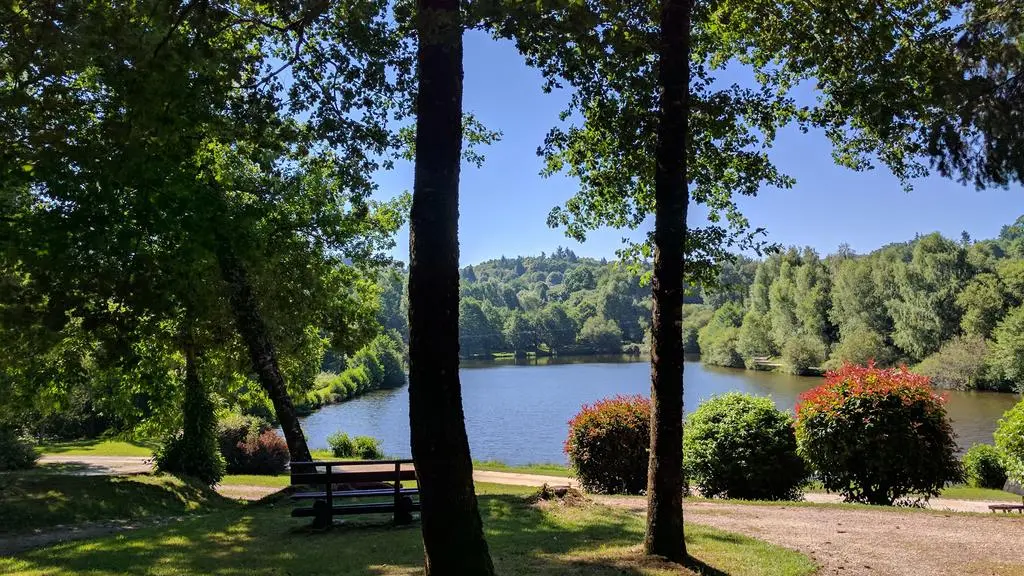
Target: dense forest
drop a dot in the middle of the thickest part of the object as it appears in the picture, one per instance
(953, 309)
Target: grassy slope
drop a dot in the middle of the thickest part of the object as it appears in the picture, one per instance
(559, 470)
(37, 500)
(524, 539)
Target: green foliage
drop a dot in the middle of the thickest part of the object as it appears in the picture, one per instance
(983, 467)
(367, 448)
(982, 303)
(755, 339)
(878, 436)
(742, 446)
(342, 446)
(15, 453)
(608, 445)
(860, 345)
(1009, 437)
(720, 338)
(802, 353)
(379, 364)
(695, 317)
(361, 447)
(961, 364)
(602, 335)
(195, 451)
(1007, 349)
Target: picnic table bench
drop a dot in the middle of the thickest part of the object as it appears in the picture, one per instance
(1013, 488)
(328, 482)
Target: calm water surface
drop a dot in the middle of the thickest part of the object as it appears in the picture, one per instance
(519, 414)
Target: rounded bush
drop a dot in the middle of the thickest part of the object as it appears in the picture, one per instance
(802, 353)
(199, 460)
(15, 453)
(608, 445)
(742, 446)
(1009, 438)
(878, 436)
(232, 434)
(367, 448)
(342, 446)
(983, 467)
(266, 453)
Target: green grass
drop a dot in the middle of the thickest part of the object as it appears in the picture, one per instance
(38, 499)
(256, 480)
(544, 540)
(97, 448)
(560, 470)
(963, 492)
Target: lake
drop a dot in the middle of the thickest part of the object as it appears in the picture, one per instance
(518, 414)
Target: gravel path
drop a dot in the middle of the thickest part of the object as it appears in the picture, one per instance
(872, 541)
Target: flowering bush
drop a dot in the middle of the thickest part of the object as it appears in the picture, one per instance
(266, 453)
(608, 445)
(876, 435)
(742, 446)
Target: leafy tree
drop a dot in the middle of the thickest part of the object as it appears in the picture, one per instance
(579, 278)
(1009, 438)
(557, 328)
(982, 304)
(719, 340)
(802, 352)
(754, 339)
(961, 364)
(520, 333)
(602, 335)
(1007, 350)
(861, 345)
(453, 537)
(925, 314)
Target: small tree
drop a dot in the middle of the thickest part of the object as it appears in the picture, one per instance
(608, 443)
(877, 435)
(742, 446)
(1009, 438)
(802, 353)
(603, 336)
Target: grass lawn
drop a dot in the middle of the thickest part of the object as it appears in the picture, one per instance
(963, 492)
(37, 500)
(97, 448)
(546, 540)
(256, 480)
(560, 470)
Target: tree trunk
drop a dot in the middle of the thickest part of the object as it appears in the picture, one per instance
(453, 536)
(664, 535)
(254, 332)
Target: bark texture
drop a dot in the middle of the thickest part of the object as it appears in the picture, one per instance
(664, 535)
(453, 536)
(254, 332)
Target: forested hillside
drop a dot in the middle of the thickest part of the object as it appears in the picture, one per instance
(954, 309)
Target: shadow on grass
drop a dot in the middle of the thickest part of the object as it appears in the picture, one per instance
(544, 540)
(34, 500)
(96, 445)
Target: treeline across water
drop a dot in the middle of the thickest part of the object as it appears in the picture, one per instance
(950, 308)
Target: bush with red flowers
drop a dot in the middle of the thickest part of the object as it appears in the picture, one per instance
(877, 436)
(608, 445)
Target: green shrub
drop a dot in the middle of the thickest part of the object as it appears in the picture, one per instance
(195, 450)
(265, 453)
(181, 457)
(719, 339)
(742, 446)
(961, 364)
(983, 467)
(15, 453)
(860, 345)
(801, 353)
(878, 436)
(608, 445)
(342, 446)
(1009, 438)
(367, 448)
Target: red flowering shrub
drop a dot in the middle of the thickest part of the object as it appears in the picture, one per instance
(878, 436)
(266, 453)
(608, 445)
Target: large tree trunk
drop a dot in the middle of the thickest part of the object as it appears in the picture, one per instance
(664, 535)
(254, 332)
(453, 536)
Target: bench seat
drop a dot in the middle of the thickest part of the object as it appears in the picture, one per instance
(1007, 507)
(346, 509)
(354, 493)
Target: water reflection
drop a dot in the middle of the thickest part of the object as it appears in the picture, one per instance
(517, 412)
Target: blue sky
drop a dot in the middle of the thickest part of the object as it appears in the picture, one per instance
(504, 204)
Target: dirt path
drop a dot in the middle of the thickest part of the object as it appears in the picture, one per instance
(99, 465)
(872, 541)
